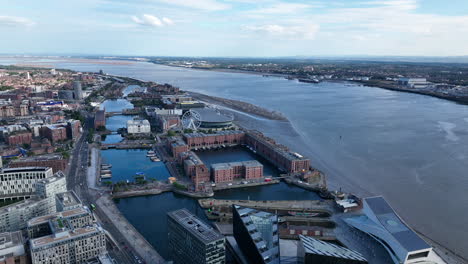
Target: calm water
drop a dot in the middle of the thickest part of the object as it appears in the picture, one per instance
(127, 162)
(412, 149)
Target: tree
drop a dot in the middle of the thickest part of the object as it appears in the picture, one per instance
(171, 133)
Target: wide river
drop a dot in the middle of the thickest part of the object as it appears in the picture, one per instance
(410, 148)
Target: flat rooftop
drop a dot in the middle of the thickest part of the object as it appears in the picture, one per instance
(195, 226)
(226, 132)
(64, 214)
(10, 239)
(64, 236)
(23, 169)
(68, 199)
(227, 165)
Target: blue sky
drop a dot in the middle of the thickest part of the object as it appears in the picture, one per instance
(235, 27)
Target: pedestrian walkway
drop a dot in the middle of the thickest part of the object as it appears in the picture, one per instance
(133, 237)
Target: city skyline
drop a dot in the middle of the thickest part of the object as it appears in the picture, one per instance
(263, 28)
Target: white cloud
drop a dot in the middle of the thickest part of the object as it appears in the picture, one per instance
(167, 21)
(207, 5)
(152, 21)
(11, 21)
(307, 31)
(282, 8)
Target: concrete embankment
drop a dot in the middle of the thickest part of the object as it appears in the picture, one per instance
(135, 193)
(240, 106)
(132, 236)
(235, 186)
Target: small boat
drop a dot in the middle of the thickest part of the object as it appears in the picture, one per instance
(150, 152)
(106, 176)
(305, 214)
(104, 165)
(155, 159)
(151, 155)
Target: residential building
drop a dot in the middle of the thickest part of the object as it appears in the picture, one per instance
(77, 217)
(54, 161)
(138, 126)
(68, 245)
(384, 225)
(19, 138)
(256, 233)
(54, 133)
(12, 248)
(311, 250)
(21, 182)
(15, 216)
(190, 240)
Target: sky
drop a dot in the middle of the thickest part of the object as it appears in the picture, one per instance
(254, 28)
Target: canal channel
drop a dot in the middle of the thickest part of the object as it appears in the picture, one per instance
(148, 213)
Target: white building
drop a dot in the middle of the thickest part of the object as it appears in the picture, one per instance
(413, 82)
(12, 247)
(68, 246)
(138, 126)
(15, 216)
(21, 182)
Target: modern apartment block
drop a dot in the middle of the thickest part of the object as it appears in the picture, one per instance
(12, 248)
(68, 245)
(21, 182)
(256, 233)
(76, 218)
(15, 216)
(192, 241)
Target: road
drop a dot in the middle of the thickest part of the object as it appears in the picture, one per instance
(121, 251)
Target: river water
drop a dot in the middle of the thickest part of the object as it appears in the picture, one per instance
(412, 149)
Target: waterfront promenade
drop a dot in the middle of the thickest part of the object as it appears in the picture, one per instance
(133, 237)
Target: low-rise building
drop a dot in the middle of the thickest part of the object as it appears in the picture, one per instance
(12, 248)
(19, 138)
(226, 172)
(138, 126)
(54, 161)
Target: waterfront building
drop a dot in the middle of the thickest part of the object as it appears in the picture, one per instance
(277, 154)
(226, 172)
(21, 182)
(177, 146)
(78, 91)
(195, 169)
(138, 126)
(190, 240)
(67, 201)
(99, 119)
(12, 248)
(413, 82)
(311, 250)
(213, 119)
(256, 233)
(15, 216)
(199, 140)
(384, 225)
(68, 245)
